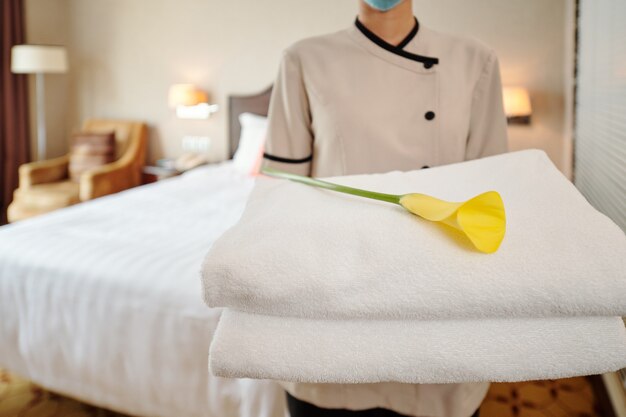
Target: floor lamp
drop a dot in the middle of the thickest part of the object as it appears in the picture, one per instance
(38, 60)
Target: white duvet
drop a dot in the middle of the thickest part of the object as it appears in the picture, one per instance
(102, 301)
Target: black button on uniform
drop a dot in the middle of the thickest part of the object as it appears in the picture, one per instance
(429, 115)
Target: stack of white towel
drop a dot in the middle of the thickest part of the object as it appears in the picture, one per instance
(324, 287)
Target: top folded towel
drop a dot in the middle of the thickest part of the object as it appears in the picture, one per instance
(304, 252)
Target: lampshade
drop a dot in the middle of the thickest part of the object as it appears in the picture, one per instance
(186, 95)
(30, 59)
(516, 102)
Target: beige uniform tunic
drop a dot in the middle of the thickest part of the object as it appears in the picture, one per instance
(349, 103)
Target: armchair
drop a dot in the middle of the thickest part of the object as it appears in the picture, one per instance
(45, 185)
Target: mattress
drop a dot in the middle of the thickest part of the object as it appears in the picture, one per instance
(102, 301)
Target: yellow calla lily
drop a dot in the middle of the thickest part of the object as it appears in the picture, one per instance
(482, 218)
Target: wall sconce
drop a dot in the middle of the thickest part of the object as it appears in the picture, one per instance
(517, 105)
(190, 102)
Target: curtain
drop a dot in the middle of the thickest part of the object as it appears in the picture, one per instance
(600, 159)
(14, 136)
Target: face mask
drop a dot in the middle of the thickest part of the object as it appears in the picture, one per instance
(383, 5)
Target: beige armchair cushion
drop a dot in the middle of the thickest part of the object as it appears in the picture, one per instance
(49, 196)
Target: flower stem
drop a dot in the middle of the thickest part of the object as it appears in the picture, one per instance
(389, 198)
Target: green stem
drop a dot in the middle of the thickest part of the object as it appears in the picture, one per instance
(389, 198)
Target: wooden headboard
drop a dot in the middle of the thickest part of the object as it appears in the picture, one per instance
(255, 103)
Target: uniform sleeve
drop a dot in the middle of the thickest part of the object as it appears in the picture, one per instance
(289, 142)
(488, 127)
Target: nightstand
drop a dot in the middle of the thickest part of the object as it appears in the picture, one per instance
(152, 174)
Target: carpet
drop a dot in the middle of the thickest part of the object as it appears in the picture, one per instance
(572, 397)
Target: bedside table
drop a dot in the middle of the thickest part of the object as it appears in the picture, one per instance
(152, 174)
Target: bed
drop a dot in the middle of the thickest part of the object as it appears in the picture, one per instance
(101, 301)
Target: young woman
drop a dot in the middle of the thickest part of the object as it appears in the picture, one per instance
(385, 94)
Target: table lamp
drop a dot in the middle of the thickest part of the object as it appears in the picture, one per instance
(39, 59)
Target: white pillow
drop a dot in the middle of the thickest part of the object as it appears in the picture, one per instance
(249, 153)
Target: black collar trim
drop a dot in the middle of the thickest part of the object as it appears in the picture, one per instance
(427, 61)
(408, 38)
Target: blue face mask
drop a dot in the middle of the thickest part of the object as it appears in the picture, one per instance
(383, 5)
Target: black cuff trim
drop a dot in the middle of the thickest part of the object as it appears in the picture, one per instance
(287, 160)
(426, 60)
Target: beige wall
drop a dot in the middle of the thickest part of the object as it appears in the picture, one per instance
(126, 53)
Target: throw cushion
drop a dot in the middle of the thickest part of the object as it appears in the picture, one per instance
(90, 150)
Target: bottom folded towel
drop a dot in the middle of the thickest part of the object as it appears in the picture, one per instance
(447, 351)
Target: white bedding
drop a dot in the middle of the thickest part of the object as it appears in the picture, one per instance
(102, 301)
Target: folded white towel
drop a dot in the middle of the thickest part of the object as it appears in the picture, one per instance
(447, 351)
(304, 252)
